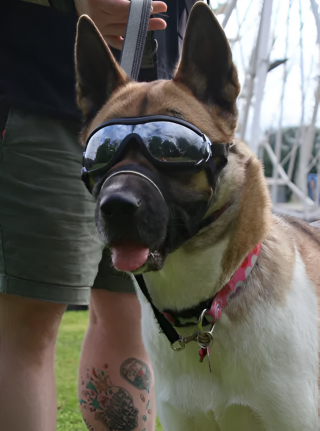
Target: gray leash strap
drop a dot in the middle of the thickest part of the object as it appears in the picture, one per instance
(135, 38)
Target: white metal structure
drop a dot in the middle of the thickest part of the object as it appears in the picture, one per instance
(258, 31)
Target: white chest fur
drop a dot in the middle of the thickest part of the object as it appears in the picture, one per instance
(181, 283)
(267, 362)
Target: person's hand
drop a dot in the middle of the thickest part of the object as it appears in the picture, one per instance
(110, 16)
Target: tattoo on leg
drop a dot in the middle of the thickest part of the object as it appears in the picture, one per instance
(113, 406)
(142, 398)
(137, 373)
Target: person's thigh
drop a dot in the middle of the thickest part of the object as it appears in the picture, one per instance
(49, 248)
(28, 326)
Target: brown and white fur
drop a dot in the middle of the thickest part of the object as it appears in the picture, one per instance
(264, 357)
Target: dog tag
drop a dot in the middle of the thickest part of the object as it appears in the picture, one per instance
(208, 353)
(204, 339)
(203, 352)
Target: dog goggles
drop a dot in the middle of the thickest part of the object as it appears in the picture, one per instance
(165, 141)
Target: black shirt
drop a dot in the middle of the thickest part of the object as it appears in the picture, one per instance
(37, 54)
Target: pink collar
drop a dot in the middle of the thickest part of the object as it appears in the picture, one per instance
(233, 286)
(210, 311)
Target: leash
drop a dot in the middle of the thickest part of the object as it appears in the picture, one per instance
(135, 37)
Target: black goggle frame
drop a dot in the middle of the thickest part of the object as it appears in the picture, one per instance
(215, 149)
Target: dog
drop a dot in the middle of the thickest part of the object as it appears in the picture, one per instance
(189, 228)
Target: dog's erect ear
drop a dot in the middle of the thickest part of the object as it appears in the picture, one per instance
(98, 73)
(206, 65)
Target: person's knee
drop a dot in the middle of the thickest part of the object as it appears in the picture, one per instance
(115, 307)
(27, 325)
(116, 316)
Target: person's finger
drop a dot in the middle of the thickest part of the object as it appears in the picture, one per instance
(114, 41)
(157, 24)
(158, 7)
(114, 7)
(114, 30)
(118, 10)
(121, 7)
(120, 29)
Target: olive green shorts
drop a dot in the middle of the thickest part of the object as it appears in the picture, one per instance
(49, 246)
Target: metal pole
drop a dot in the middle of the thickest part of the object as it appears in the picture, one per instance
(303, 160)
(248, 86)
(314, 8)
(274, 191)
(311, 133)
(312, 130)
(248, 91)
(317, 197)
(262, 70)
(229, 8)
(285, 177)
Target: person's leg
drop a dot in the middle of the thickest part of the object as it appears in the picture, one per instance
(49, 256)
(115, 378)
(28, 331)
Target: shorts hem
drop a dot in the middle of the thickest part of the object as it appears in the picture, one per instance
(45, 292)
(114, 283)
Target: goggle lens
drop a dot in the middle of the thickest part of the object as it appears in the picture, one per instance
(166, 141)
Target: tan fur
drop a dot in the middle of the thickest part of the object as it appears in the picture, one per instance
(200, 181)
(307, 240)
(246, 222)
(164, 98)
(254, 215)
(272, 272)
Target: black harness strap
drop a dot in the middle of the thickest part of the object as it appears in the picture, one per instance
(213, 217)
(164, 324)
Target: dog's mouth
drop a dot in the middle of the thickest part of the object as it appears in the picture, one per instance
(143, 222)
(135, 257)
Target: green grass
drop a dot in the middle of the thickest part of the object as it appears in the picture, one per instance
(70, 337)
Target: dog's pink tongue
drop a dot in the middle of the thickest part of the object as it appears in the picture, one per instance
(129, 256)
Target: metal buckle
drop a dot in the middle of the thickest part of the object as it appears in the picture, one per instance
(183, 341)
(204, 338)
(181, 345)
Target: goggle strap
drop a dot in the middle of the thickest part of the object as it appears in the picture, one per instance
(134, 173)
(144, 120)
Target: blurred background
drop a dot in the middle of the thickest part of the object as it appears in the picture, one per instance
(276, 48)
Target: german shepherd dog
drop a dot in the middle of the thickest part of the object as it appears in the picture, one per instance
(189, 225)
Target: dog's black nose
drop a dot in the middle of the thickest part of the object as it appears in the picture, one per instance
(119, 204)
